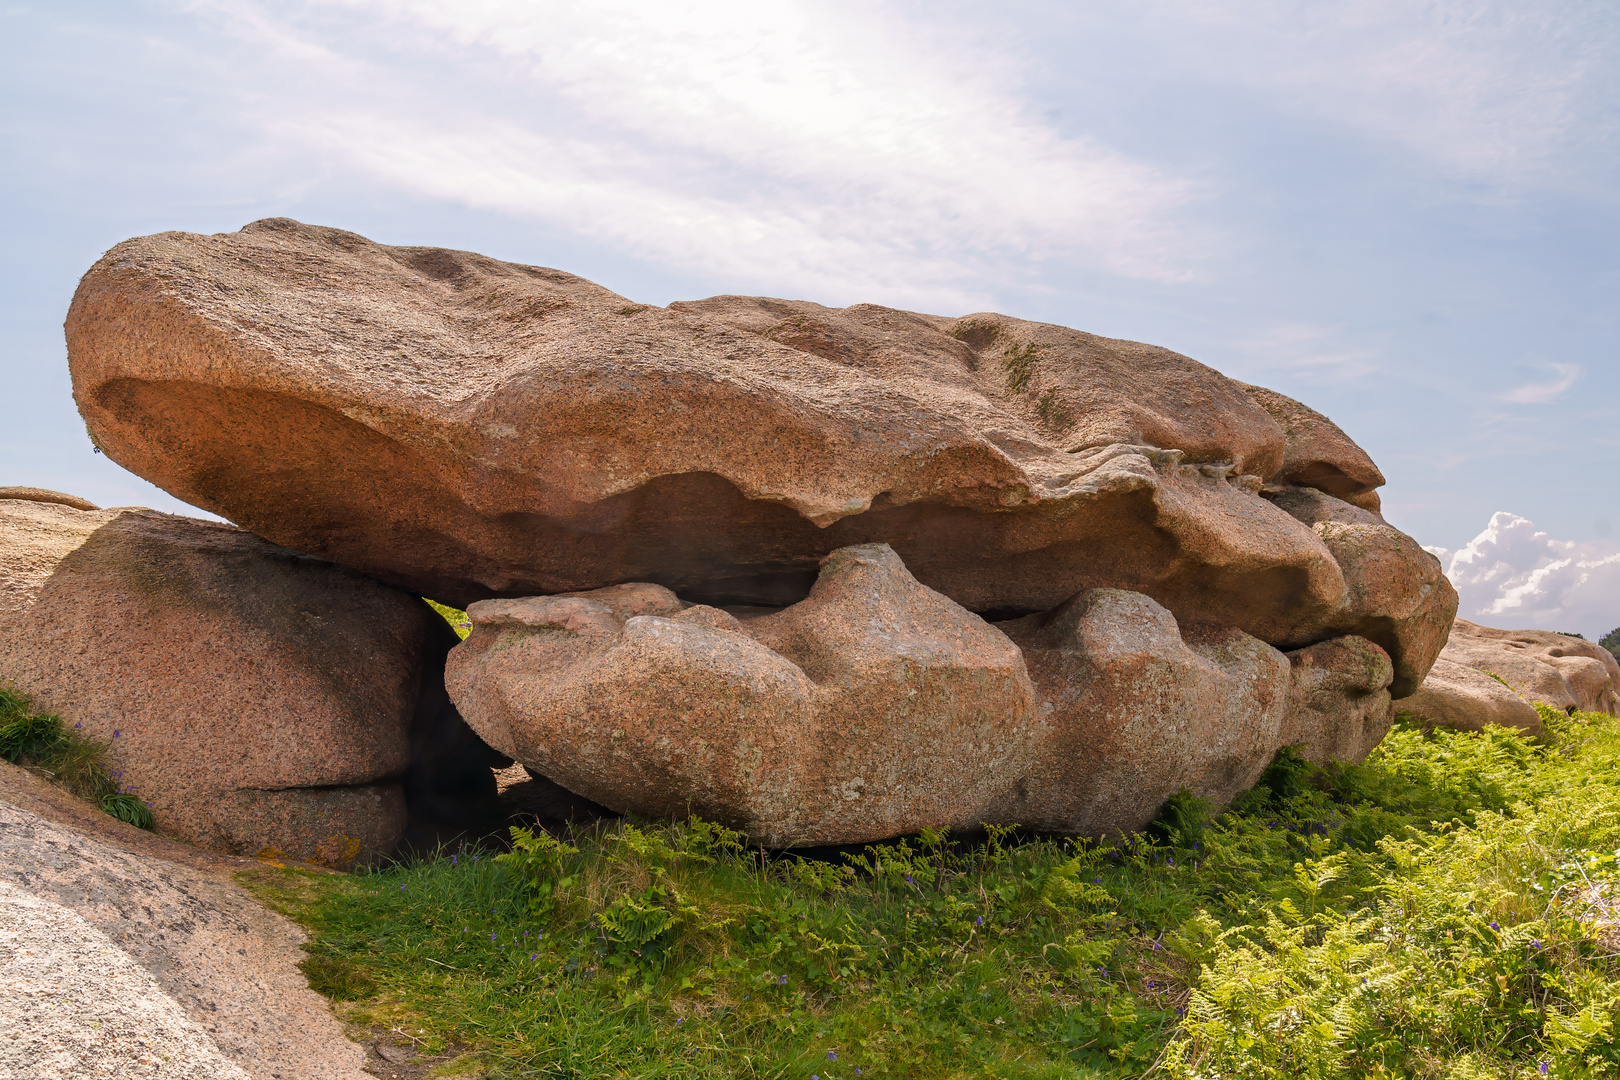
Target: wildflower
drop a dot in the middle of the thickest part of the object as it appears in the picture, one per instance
(79, 725)
(681, 1021)
(492, 937)
(1535, 943)
(402, 888)
(908, 879)
(782, 981)
(832, 1055)
(1494, 926)
(452, 860)
(116, 733)
(981, 920)
(533, 955)
(1096, 881)
(1543, 1065)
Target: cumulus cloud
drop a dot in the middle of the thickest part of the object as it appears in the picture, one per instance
(1513, 576)
(833, 149)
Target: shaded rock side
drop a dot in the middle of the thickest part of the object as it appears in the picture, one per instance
(1338, 700)
(468, 428)
(874, 707)
(256, 697)
(1396, 594)
(1318, 454)
(1139, 708)
(1535, 665)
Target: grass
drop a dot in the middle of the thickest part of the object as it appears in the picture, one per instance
(49, 748)
(1451, 908)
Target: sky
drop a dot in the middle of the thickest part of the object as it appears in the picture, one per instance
(1403, 213)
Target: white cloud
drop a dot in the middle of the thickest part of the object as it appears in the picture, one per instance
(827, 149)
(1542, 393)
(1514, 577)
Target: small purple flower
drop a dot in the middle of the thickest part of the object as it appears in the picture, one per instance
(782, 981)
(116, 733)
(533, 955)
(1535, 943)
(452, 860)
(981, 920)
(492, 938)
(402, 888)
(832, 1055)
(1096, 881)
(908, 880)
(1494, 926)
(1544, 1066)
(79, 725)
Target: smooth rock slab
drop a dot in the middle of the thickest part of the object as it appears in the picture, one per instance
(873, 708)
(468, 428)
(255, 697)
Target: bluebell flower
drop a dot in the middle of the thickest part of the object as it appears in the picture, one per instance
(1494, 926)
(832, 1055)
(533, 955)
(981, 920)
(1535, 943)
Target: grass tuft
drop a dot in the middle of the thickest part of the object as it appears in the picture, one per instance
(48, 747)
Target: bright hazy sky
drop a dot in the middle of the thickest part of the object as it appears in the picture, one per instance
(1404, 213)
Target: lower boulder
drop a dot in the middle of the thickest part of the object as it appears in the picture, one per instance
(1137, 709)
(256, 698)
(872, 708)
(1465, 699)
(1338, 699)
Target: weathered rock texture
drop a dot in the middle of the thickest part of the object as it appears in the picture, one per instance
(878, 706)
(1338, 700)
(875, 707)
(1535, 665)
(254, 696)
(470, 428)
(1138, 709)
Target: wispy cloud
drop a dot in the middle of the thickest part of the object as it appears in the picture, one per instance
(826, 149)
(1307, 349)
(1540, 393)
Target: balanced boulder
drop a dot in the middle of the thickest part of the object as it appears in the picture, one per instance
(467, 429)
(255, 697)
(872, 708)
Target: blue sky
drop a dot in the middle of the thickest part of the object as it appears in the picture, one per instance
(1405, 214)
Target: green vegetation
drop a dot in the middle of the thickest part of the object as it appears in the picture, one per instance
(1451, 908)
(48, 747)
(454, 616)
(1611, 641)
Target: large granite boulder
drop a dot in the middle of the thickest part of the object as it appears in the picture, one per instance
(1485, 675)
(872, 708)
(256, 697)
(468, 429)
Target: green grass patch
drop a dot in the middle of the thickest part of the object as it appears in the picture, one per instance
(1450, 908)
(49, 748)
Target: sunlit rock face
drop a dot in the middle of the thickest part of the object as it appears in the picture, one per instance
(476, 430)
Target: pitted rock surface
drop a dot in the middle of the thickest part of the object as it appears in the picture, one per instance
(873, 708)
(158, 953)
(256, 697)
(468, 429)
(1338, 700)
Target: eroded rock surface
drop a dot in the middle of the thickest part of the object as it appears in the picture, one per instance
(1395, 592)
(256, 697)
(469, 428)
(1528, 665)
(874, 707)
(1138, 709)
(1338, 699)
